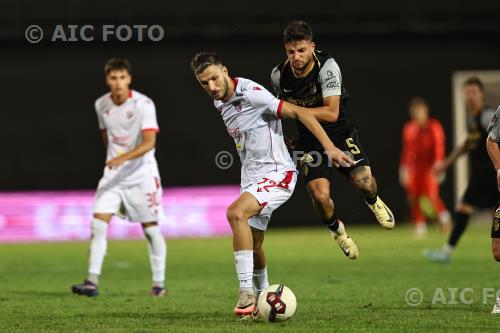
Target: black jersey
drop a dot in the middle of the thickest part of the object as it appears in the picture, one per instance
(477, 127)
(324, 80)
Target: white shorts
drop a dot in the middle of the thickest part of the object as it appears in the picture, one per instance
(272, 191)
(139, 203)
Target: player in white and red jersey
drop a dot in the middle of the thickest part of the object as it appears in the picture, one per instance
(268, 175)
(131, 183)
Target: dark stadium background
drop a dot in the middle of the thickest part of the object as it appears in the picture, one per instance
(388, 52)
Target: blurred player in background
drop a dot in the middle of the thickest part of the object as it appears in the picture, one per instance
(268, 176)
(423, 148)
(481, 192)
(494, 153)
(312, 79)
(131, 183)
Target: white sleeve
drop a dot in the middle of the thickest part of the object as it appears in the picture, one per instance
(275, 81)
(263, 101)
(494, 127)
(148, 111)
(100, 121)
(330, 79)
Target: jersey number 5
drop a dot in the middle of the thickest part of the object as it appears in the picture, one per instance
(353, 148)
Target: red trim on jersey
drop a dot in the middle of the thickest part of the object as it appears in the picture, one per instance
(129, 95)
(157, 130)
(280, 105)
(264, 204)
(235, 81)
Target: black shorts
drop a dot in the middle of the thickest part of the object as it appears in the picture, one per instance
(482, 190)
(320, 166)
(495, 226)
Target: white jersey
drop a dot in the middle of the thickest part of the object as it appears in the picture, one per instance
(124, 125)
(252, 117)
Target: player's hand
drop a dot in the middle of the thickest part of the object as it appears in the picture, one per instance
(115, 162)
(339, 158)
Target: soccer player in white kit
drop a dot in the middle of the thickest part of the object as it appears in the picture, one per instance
(131, 183)
(268, 175)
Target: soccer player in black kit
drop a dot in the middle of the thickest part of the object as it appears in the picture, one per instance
(312, 79)
(481, 192)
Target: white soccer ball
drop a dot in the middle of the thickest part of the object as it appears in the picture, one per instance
(276, 303)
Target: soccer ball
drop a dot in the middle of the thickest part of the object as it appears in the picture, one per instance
(276, 303)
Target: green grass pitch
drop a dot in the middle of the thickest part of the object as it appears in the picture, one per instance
(334, 294)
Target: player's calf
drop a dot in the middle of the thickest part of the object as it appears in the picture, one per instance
(496, 248)
(362, 179)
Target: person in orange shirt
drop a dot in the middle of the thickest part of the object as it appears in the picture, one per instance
(423, 147)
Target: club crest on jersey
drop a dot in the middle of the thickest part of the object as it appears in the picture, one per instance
(130, 114)
(238, 106)
(312, 88)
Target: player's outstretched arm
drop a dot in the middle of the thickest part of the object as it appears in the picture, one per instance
(304, 115)
(148, 143)
(329, 112)
(441, 166)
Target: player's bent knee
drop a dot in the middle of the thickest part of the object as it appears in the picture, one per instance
(104, 217)
(148, 224)
(234, 215)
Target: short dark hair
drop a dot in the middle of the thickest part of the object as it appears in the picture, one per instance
(114, 64)
(204, 59)
(474, 80)
(417, 101)
(296, 31)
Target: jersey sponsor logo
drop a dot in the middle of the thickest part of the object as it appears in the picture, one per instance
(330, 76)
(256, 88)
(106, 112)
(333, 84)
(130, 114)
(314, 100)
(238, 106)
